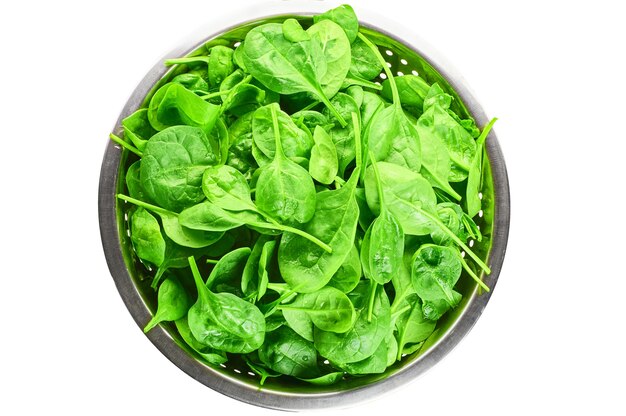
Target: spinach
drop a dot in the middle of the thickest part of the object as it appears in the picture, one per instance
(434, 272)
(286, 352)
(305, 266)
(324, 164)
(365, 336)
(173, 303)
(329, 309)
(174, 105)
(285, 190)
(224, 321)
(172, 166)
(301, 65)
(386, 241)
(145, 233)
(318, 201)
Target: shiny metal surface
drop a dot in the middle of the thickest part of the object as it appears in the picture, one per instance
(233, 381)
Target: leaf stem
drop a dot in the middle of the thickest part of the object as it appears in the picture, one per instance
(332, 108)
(215, 94)
(370, 304)
(379, 185)
(456, 239)
(357, 141)
(483, 135)
(392, 81)
(202, 289)
(127, 146)
(187, 60)
(149, 207)
(278, 152)
(363, 83)
(286, 228)
(473, 275)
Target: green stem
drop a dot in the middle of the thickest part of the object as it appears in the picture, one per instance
(293, 230)
(357, 141)
(395, 314)
(363, 83)
(392, 81)
(332, 108)
(215, 94)
(456, 239)
(444, 186)
(202, 289)
(310, 106)
(212, 261)
(473, 275)
(379, 185)
(370, 305)
(189, 60)
(483, 135)
(280, 288)
(125, 145)
(340, 181)
(278, 152)
(149, 207)
(157, 277)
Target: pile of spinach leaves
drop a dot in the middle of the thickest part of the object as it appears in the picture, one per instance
(297, 213)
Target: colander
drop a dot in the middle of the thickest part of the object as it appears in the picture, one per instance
(405, 55)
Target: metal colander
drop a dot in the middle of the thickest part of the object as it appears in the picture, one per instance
(234, 378)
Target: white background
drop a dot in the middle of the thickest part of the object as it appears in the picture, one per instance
(551, 339)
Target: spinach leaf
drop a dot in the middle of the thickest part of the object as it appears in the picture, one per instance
(286, 67)
(295, 141)
(240, 147)
(266, 254)
(285, 190)
(226, 273)
(137, 128)
(305, 266)
(326, 379)
(329, 309)
(286, 352)
(364, 63)
(224, 321)
(145, 233)
(183, 236)
(220, 64)
(172, 166)
(365, 336)
(300, 322)
(173, 303)
(434, 272)
(324, 164)
(412, 90)
(335, 47)
(193, 82)
(133, 182)
(174, 105)
(250, 275)
(344, 137)
(386, 245)
(343, 16)
(413, 327)
(349, 273)
(209, 354)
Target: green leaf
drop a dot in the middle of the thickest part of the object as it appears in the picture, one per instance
(145, 233)
(329, 309)
(286, 352)
(173, 303)
(324, 164)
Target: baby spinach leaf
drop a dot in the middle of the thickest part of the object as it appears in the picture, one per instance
(311, 119)
(325, 380)
(183, 236)
(286, 352)
(145, 233)
(295, 141)
(224, 321)
(193, 82)
(324, 164)
(374, 364)
(286, 67)
(240, 147)
(349, 273)
(300, 322)
(365, 336)
(345, 17)
(220, 64)
(227, 188)
(228, 270)
(209, 354)
(133, 182)
(174, 105)
(207, 216)
(137, 128)
(172, 166)
(412, 90)
(173, 303)
(451, 215)
(434, 272)
(266, 254)
(343, 137)
(364, 63)
(335, 47)
(293, 31)
(404, 191)
(386, 245)
(413, 327)
(329, 309)
(285, 190)
(305, 266)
